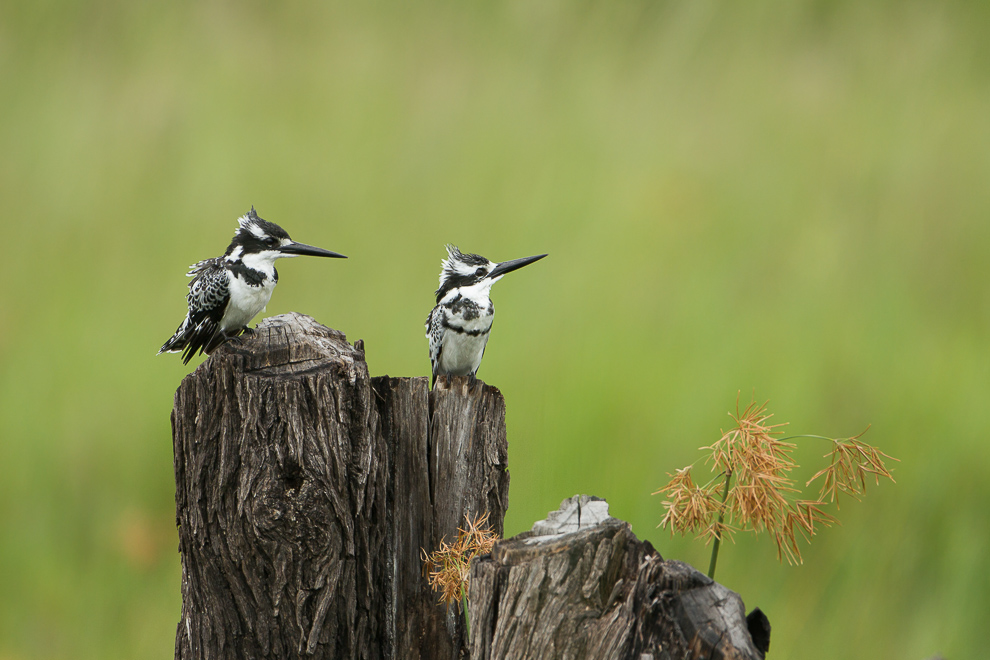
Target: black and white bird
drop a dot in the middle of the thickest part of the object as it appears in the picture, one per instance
(228, 291)
(458, 327)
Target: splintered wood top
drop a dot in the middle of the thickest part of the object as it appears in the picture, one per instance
(292, 343)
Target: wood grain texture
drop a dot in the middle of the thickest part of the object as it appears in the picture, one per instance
(305, 490)
(403, 406)
(449, 450)
(583, 586)
(468, 466)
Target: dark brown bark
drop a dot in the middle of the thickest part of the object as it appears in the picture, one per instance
(449, 464)
(581, 585)
(305, 490)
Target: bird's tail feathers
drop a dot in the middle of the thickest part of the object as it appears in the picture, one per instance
(192, 340)
(177, 341)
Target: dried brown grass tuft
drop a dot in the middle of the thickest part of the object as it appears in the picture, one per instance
(752, 490)
(852, 462)
(448, 568)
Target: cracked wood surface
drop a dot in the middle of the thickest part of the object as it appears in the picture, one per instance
(305, 490)
(591, 589)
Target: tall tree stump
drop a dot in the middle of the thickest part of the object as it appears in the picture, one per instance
(581, 585)
(450, 463)
(305, 490)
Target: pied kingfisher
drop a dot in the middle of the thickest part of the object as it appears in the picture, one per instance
(459, 325)
(228, 291)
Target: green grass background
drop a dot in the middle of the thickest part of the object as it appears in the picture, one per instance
(785, 198)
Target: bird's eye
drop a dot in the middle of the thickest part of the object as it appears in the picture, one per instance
(481, 271)
(270, 240)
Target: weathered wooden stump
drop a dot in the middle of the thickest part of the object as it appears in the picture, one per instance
(305, 490)
(581, 585)
(449, 463)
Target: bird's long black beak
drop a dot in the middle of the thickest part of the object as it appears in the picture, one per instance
(509, 266)
(308, 250)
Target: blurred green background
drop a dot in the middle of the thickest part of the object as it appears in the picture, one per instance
(789, 199)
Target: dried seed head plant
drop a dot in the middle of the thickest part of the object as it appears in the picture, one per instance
(448, 568)
(751, 490)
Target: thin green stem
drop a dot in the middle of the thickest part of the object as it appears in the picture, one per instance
(467, 622)
(721, 521)
(712, 480)
(806, 435)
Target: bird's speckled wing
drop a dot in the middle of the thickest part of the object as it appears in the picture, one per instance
(434, 332)
(209, 290)
(209, 293)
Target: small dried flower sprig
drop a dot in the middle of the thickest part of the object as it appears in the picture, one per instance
(752, 491)
(853, 462)
(448, 568)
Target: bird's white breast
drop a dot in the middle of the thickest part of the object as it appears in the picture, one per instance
(462, 351)
(246, 302)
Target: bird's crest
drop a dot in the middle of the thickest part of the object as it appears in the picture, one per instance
(251, 222)
(460, 269)
(458, 264)
(254, 225)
